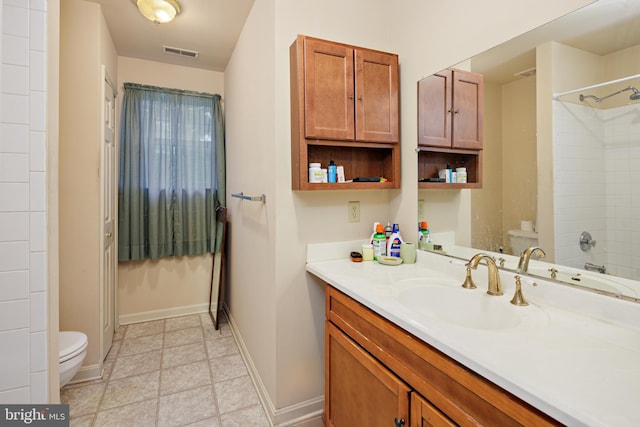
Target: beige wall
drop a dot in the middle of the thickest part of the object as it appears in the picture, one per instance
(168, 286)
(276, 306)
(519, 154)
(486, 203)
(85, 45)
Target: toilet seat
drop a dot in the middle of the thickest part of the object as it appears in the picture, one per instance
(72, 343)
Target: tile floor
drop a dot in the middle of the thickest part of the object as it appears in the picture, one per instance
(171, 372)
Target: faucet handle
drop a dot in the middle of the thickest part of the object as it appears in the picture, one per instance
(554, 272)
(468, 281)
(518, 298)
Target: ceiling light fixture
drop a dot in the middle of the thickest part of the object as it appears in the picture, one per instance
(158, 11)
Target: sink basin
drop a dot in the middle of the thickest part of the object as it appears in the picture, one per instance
(468, 308)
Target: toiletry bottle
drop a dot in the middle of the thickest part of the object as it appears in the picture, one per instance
(393, 247)
(387, 232)
(332, 171)
(423, 235)
(375, 227)
(379, 240)
(425, 231)
(315, 172)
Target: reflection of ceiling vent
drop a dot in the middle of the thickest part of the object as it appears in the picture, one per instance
(526, 73)
(181, 52)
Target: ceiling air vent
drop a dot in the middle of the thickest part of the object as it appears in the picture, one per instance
(181, 52)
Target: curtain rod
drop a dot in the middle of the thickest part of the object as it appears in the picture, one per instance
(569, 92)
(170, 90)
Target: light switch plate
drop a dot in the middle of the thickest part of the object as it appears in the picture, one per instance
(354, 211)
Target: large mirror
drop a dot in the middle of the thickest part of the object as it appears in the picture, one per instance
(562, 150)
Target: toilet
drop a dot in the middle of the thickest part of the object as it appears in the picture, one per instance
(521, 240)
(73, 349)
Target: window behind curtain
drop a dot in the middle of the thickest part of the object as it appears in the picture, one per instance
(171, 172)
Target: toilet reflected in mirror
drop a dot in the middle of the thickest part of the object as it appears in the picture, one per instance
(521, 240)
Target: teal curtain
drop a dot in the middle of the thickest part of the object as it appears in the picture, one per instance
(171, 175)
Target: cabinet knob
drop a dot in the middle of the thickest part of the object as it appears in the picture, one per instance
(399, 422)
(360, 98)
(351, 97)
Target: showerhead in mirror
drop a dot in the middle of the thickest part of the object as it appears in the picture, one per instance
(634, 96)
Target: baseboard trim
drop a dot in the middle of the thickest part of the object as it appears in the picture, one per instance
(284, 417)
(165, 313)
(87, 373)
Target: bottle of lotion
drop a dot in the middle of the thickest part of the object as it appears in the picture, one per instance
(379, 240)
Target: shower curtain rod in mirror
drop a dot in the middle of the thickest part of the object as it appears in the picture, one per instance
(569, 92)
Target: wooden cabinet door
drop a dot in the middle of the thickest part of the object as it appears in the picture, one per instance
(376, 105)
(434, 110)
(328, 90)
(359, 391)
(450, 110)
(467, 110)
(424, 414)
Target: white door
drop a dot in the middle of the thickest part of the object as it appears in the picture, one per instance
(108, 184)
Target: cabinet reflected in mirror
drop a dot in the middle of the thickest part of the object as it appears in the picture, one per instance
(450, 122)
(565, 165)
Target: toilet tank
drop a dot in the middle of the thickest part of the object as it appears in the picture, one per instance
(521, 240)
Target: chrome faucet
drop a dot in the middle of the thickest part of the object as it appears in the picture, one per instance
(523, 264)
(595, 267)
(495, 287)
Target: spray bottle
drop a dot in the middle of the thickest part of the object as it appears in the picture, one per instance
(393, 246)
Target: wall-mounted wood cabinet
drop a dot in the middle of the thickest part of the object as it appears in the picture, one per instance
(376, 373)
(450, 126)
(344, 107)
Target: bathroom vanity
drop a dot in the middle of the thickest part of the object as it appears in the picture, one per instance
(408, 346)
(371, 358)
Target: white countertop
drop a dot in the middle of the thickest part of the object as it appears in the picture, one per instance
(575, 355)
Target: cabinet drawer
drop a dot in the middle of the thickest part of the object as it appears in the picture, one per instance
(466, 397)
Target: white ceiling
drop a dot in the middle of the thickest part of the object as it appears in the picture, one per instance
(210, 27)
(601, 28)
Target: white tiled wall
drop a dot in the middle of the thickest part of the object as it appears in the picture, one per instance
(23, 283)
(596, 187)
(622, 133)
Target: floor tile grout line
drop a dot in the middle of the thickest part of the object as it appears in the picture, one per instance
(213, 386)
(164, 330)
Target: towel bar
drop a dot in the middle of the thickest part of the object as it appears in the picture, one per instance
(262, 198)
